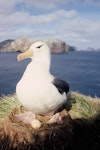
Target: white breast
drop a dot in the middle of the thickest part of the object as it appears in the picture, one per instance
(36, 92)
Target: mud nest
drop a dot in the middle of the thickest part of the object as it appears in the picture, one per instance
(20, 136)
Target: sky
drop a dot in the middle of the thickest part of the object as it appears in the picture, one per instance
(77, 22)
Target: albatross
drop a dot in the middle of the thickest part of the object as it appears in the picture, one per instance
(38, 90)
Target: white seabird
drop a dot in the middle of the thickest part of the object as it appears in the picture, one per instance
(39, 91)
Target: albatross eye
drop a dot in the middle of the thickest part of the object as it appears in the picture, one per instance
(39, 46)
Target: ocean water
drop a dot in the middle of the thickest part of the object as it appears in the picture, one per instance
(80, 69)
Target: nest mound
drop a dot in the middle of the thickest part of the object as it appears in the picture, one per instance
(16, 133)
(81, 126)
(20, 136)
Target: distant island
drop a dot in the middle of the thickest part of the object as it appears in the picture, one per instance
(22, 44)
(93, 49)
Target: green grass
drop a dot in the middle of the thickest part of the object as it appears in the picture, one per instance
(82, 106)
(7, 104)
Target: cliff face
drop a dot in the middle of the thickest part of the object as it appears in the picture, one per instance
(6, 46)
(22, 44)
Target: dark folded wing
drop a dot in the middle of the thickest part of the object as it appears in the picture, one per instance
(61, 85)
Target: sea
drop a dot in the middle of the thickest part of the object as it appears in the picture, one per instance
(80, 69)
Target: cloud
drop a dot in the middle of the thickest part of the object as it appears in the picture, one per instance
(92, 2)
(23, 24)
(68, 25)
(41, 5)
(26, 5)
(53, 4)
(8, 7)
(22, 19)
(45, 4)
(82, 31)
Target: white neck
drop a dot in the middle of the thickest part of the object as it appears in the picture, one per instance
(42, 60)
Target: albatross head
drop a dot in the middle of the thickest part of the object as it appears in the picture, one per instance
(37, 50)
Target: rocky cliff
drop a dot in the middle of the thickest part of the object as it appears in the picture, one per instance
(22, 44)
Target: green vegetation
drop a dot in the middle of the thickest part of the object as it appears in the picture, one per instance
(7, 104)
(82, 106)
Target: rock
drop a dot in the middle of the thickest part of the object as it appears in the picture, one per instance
(57, 46)
(98, 49)
(93, 49)
(72, 48)
(90, 49)
(5, 46)
(22, 44)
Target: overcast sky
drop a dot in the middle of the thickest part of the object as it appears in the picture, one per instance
(77, 22)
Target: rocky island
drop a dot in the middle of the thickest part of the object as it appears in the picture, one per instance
(90, 49)
(22, 44)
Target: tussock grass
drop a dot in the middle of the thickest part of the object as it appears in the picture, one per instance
(7, 104)
(84, 106)
(81, 106)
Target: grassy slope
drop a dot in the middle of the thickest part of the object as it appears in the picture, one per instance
(82, 106)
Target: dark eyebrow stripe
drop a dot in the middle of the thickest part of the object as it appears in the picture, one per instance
(39, 46)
